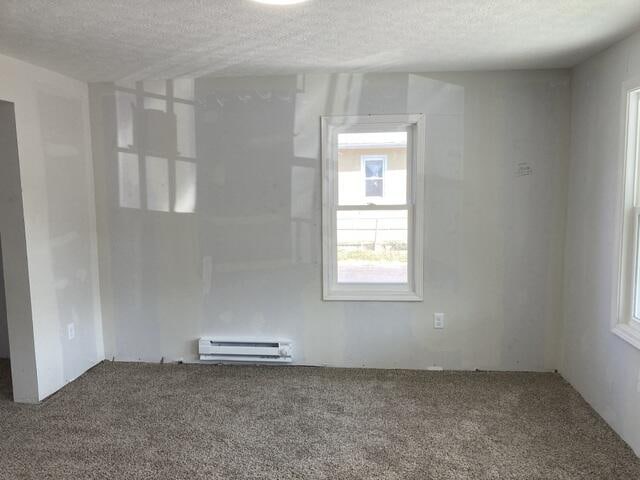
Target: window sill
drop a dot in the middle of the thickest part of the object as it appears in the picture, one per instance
(373, 297)
(628, 332)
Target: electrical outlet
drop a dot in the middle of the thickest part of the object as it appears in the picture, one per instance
(438, 320)
(71, 331)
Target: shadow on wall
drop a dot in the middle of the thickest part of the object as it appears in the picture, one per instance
(4, 333)
(213, 206)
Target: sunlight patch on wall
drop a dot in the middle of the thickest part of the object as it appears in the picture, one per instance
(125, 108)
(185, 187)
(156, 145)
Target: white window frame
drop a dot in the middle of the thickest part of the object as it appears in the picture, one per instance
(414, 125)
(363, 169)
(628, 254)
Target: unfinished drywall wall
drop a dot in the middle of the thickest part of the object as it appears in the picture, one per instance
(208, 197)
(56, 179)
(603, 367)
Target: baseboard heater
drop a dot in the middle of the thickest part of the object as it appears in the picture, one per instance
(239, 350)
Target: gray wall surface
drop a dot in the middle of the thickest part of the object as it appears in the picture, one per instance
(244, 259)
(603, 367)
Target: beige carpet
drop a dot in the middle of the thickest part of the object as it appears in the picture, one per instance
(142, 421)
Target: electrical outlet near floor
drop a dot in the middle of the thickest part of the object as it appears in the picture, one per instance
(71, 331)
(438, 320)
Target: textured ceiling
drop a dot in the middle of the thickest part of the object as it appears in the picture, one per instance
(98, 40)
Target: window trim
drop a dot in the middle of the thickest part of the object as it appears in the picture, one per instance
(414, 124)
(624, 325)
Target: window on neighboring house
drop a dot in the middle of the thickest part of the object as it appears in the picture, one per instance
(373, 167)
(373, 207)
(627, 324)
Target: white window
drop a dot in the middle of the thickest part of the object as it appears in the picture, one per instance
(627, 323)
(373, 202)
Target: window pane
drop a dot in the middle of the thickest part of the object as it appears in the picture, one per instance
(372, 246)
(368, 156)
(374, 166)
(373, 188)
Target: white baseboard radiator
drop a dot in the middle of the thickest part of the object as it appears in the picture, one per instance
(242, 350)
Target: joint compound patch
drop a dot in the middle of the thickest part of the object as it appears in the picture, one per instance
(523, 168)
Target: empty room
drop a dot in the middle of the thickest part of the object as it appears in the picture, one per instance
(320, 239)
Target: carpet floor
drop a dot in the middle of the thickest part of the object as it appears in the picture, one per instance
(144, 421)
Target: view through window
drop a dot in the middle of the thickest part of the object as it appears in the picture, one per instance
(372, 244)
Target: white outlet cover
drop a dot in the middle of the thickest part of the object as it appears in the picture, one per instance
(438, 320)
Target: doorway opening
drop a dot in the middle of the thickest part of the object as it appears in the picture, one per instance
(5, 367)
(19, 382)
